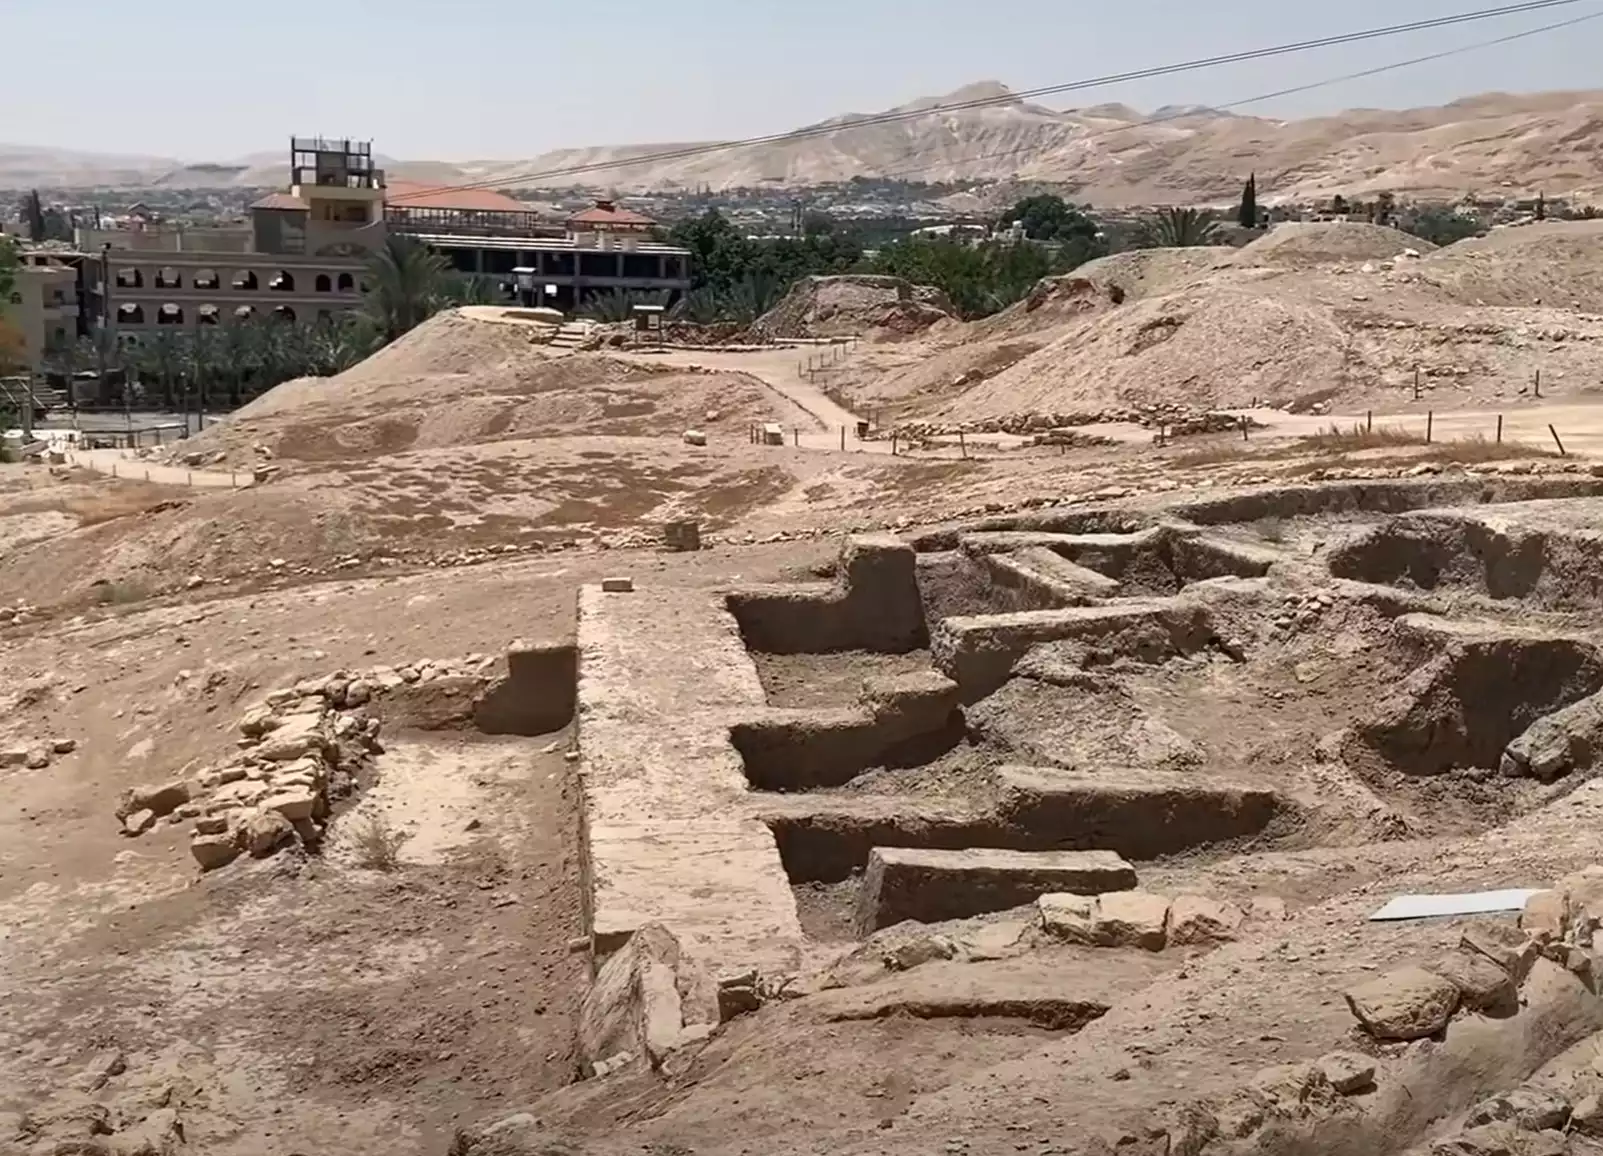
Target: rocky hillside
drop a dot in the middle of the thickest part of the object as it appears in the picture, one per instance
(1110, 153)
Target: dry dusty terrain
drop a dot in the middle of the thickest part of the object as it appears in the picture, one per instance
(441, 780)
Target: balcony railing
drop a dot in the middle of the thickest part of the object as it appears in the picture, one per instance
(470, 223)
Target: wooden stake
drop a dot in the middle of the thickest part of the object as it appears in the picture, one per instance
(1430, 420)
(843, 438)
(1538, 383)
(1556, 441)
(962, 445)
(1499, 429)
(1416, 383)
(1369, 420)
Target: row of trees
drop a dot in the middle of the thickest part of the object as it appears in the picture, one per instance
(736, 278)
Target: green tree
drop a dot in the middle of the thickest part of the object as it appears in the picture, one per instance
(1247, 214)
(407, 282)
(1440, 225)
(1177, 229)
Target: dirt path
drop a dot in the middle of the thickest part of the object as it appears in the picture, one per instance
(122, 464)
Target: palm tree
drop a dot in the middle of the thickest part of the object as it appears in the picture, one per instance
(407, 285)
(470, 289)
(1177, 229)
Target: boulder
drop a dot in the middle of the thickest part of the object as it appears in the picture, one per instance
(1505, 945)
(296, 803)
(1546, 915)
(263, 832)
(1347, 1072)
(650, 998)
(1406, 1004)
(1500, 1140)
(38, 758)
(1482, 985)
(1196, 919)
(214, 851)
(138, 823)
(1527, 1108)
(257, 721)
(1586, 1117)
(1132, 919)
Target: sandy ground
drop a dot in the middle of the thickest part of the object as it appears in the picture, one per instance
(450, 497)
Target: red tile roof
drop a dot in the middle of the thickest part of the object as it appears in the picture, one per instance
(606, 213)
(281, 201)
(414, 195)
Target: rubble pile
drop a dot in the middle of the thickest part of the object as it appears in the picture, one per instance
(1491, 962)
(301, 751)
(18, 615)
(1173, 420)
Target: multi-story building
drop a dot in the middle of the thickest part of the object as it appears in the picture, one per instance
(304, 252)
(44, 304)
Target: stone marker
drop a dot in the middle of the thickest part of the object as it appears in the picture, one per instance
(930, 885)
(683, 536)
(618, 585)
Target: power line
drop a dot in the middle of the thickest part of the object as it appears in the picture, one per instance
(528, 179)
(1263, 96)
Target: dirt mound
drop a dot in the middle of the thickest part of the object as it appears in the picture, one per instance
(1145, 272)
(363, 414)
(1219, 346)
(1554, 264)
(851, 303)
(1328, 242)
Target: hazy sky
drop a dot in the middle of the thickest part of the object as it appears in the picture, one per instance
(462, 79)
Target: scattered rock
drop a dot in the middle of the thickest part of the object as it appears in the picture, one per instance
(1347, 1072)
(38, 758)
(1586, 1117)
(64, 746)
(159, 800)
(102, 1068)
(1195, 919)
(1546, 915)
(138, 823)
(1406, 1004)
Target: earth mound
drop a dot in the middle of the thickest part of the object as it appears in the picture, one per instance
(1145, 272)
(852, 303)
(1553, 264)
(455, 382)
(1329, 242)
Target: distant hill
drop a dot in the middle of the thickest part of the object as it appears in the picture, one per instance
(1111, 154)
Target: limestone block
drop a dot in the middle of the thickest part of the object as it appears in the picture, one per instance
(1071, 918)
(618, 585)
(1482, 985)
(1406, 1004)
(213, 851)
(1347, 1071)
(1132, 919)
(650, 997)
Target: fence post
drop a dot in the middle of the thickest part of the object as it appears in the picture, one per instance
(1538, 382)
(962, 445)
(1243, 427)
(1430, 420)
(843, 439)
(795, 436)
(189, 478)
(1416, 383)
(893, 445)
(1499, 429)
(1554, 432)
(1369, 421)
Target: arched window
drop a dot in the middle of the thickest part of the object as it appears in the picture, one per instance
(245, 312)
(130, 279)
(346, 283)
(170, 314)
(204, 279)
(130, 314)
(169, 278)
(244, 280)
(208, 315)
(323, 284)
(284, 313)
(282, 282)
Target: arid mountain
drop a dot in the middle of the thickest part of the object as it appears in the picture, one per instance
(1108, 153)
